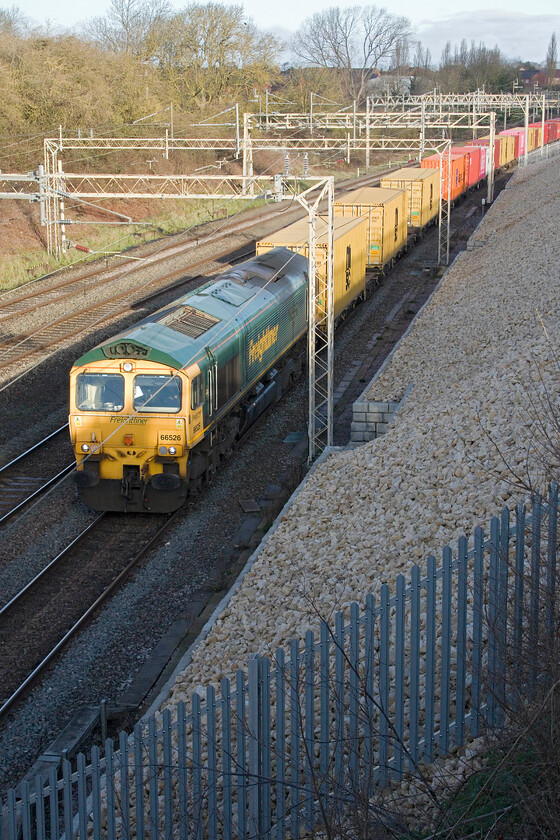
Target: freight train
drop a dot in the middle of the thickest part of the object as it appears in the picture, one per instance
(154, 409)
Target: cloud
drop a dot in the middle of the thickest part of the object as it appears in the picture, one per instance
(517, 35)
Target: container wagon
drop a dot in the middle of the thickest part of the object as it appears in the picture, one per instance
(422, 186)
(349, 254)
(458, 164)
(386, 212)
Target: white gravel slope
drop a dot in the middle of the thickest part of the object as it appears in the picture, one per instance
(475, 356)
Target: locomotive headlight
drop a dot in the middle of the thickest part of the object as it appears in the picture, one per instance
(172, 450)
(128, 366)
(85, 447)
(162, 450)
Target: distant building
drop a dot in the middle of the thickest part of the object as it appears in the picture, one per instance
(535, 79)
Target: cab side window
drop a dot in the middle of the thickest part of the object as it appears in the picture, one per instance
(197, 392)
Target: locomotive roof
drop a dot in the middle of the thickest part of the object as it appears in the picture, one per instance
(178, 335)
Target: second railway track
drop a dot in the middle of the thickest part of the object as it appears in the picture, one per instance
(30, 475)
(46, 613)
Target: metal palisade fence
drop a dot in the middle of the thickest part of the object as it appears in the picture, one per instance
(299, 741)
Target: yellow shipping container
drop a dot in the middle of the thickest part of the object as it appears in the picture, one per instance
(422, 186)
(386, 212)
(532, 137)
(508, 141)
(506, 145)
(349, 254)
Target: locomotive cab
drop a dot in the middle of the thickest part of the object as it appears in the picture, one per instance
(128, 423)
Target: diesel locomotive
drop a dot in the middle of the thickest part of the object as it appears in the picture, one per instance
(154, 409)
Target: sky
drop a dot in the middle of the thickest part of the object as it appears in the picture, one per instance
(520, 29)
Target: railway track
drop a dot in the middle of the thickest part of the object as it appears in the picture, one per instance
(39, 621)
(16, 346)
(74, 323)
(22, 480)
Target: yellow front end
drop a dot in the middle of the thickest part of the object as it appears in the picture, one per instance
(128, 425)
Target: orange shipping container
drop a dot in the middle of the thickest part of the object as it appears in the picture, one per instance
(456, 178)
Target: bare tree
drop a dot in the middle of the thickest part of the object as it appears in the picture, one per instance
(351, 41)
(12, 21)
(551, 59)
(210, 50)
(130, 27)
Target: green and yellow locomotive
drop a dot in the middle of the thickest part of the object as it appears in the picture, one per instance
(153, 409)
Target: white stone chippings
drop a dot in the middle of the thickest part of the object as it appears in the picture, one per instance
(475, 357)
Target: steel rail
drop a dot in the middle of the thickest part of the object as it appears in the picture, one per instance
(79, 624)
(39, 490)
(32, 448)
(170, 252)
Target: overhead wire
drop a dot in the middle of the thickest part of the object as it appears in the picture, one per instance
(137, 265)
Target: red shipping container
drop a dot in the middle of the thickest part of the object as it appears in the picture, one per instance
(485, 141)
(483, 160)
(538, 125)
(472, 164)
(457, 173)
(519, 134)
(552, 130)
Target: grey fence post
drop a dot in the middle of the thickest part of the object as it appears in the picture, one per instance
(492, 678)
(139, 779)
(266, 758)
(502, 617)
(125, 786)
(40, 807)
(338, 704)
(95, 793)
(430, 659)
(461, 661)
(535, 590)
(399, 676)
(197, 783)
(227, 798)
(25, 812)
(280, 746)
(445, 678)
(414, 702)
(295, 723)
(369, 681)
(153, 779)
(384, 653)
(109, 789)
(551, 559)
(241, 755)
(309, 731)
(254, 827)
(212, 781)
(167, 776)
(354, 699)
(324, 723)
